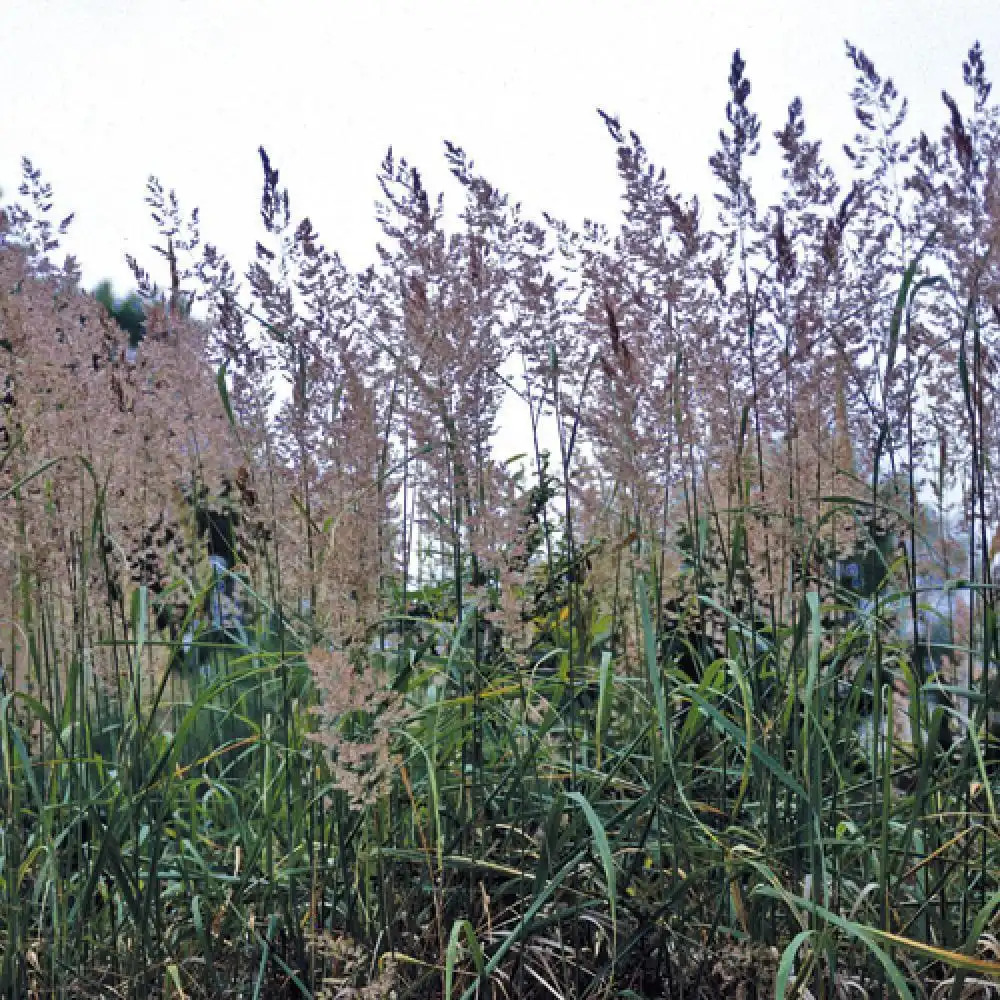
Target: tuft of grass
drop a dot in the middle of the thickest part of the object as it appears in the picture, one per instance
(308, 690)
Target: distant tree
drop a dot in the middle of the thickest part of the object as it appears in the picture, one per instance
(127, 312)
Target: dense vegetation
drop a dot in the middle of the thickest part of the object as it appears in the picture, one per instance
(308, 689)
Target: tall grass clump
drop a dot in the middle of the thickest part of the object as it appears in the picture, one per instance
(309, 688)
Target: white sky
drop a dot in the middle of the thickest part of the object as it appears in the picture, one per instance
(100, 94)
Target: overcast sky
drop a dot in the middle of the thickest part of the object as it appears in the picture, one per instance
(102, 93)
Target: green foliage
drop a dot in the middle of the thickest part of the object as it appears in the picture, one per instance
(127, 312)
